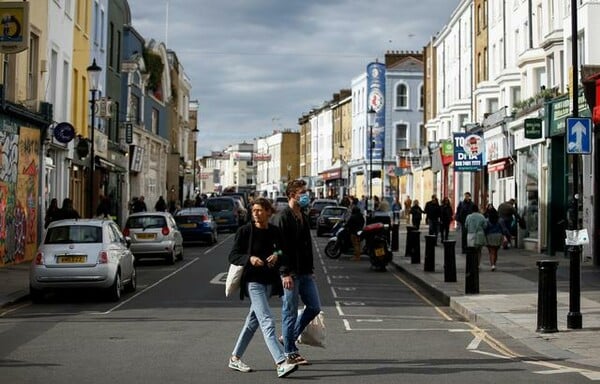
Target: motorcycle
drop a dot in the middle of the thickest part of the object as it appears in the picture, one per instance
(377, 245)
(340, 242)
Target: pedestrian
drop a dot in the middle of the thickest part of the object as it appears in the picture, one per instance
(139, 205)
(494, 234)
(51, 213)
(446, 217)
(355, 223)
(67, 211)
(417, 214)
(463, 210)
(257, 246)
(507, 213)
(103, 209)
(297, 270)
(433, 210)
(475, 224)
(161, 204)
(407, 207)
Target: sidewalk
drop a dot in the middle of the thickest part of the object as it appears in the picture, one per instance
(14, 283)
(507, 298)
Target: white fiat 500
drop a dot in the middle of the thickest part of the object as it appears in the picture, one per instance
(83, 253)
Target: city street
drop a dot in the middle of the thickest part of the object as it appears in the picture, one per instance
(178, 327)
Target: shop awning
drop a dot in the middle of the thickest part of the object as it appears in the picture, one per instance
(100, 162)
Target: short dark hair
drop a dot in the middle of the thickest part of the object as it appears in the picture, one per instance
(293, 187)
(265, 204)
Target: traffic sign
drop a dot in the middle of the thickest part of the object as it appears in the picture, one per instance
(579, 131)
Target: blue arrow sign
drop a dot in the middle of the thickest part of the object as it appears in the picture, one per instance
(579, 131)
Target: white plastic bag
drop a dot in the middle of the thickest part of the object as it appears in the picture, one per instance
(314, 333)
(234, 279)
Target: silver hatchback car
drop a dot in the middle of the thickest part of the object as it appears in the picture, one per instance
(83, 253)
(154, 234)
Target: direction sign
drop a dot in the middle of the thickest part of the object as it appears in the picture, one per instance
(579, 132)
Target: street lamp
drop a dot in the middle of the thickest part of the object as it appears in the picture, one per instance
(93, 72)
(195, 132)
(371, 121)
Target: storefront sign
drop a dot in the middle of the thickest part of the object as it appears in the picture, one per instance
(468, 152)
(533, 128)
(561, 109)
(137, 154)
(64, 132)
(14, 26)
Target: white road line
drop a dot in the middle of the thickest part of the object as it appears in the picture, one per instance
(148, 288)
(399, 329)
(339, 309)
(559, 369)
(474, 344)
(14, 309)
(492, 354)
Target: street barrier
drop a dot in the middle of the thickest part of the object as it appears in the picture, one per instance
(472, 272)
(429, 264)
(449, 261)
(408, 246)
(546, 314)
(413, 238)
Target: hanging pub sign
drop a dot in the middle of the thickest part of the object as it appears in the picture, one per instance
(64, 132)
(468, 152)
(14, 26)
(533, 128)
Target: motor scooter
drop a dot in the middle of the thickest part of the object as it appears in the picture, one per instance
(377, 245)
(340, 242)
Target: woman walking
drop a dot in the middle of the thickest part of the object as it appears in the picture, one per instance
(417, 214)
(494, 233)
(446, 218)
(257, 247)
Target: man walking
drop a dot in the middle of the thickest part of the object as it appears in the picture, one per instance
(507, 213)
(297, 269)
(464, 209)
(433, 212)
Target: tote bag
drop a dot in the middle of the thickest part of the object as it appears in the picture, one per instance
(234, 279)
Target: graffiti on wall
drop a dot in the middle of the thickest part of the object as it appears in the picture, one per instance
(19, 179)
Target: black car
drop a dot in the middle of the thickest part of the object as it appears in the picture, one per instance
(330, 216)
(316, 207)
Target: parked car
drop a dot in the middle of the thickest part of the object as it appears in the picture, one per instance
(226, 211)
(316, 207)
(280, 203)
(329, 217)
(197, 224)
(83, 253)
(154, 234)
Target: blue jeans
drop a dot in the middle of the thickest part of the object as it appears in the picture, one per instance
(305, 288)
(259, 315)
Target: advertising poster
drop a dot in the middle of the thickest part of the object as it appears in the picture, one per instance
(468, 152)
(376, 100)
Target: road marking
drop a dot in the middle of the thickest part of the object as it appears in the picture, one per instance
(219, 279)
(559, 369)
(122, 303)
(6, 312)
(346, 288)
(474, 344)
(492, 355)
(352, 303)
(369, 320)
(426, 300)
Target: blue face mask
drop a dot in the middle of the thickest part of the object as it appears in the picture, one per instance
(303, 201)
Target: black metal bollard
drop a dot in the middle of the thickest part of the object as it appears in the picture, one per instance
(429, 264)
(472, 272)
(415, 253)
(395, 236)
(546, 315)
(449, 261)
(409, 247)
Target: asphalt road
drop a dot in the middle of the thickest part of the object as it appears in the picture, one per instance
(179, 328)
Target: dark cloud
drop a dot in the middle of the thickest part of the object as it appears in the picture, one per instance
(258, 65)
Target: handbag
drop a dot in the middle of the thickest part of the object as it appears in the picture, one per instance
(234, 279)
(314, 333)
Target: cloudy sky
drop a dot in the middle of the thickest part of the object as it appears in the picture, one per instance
(258, 65)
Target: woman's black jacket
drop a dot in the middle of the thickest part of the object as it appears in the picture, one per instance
(240, 255)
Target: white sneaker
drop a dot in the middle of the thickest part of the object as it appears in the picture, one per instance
(239, 365)
(285, 369)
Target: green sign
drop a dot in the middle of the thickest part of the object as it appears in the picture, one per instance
(561, 109)
(533, 128)
(447, 148)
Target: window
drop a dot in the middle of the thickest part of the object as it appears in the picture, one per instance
(421, 96)
(492, 105)
(401, 137)
(515, 94)
(401, 96)
(134, 109)
(32, 68)
(111, 42)
(422, 135)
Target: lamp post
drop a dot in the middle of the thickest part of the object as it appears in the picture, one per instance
(93, 72)
(371, 121)
(195, 132)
